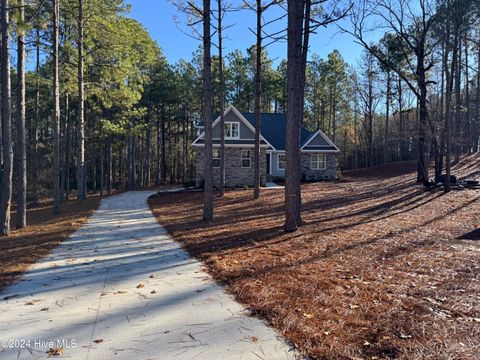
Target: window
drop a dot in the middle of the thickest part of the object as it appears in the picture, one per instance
(318, 162)
(216, 158)
(281, 161)
(232, 130)
(246, 158)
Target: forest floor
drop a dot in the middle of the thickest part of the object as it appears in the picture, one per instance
(381, 269)
(43, 233)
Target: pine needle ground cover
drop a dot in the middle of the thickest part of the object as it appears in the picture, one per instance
(381, 269)
(43, 233)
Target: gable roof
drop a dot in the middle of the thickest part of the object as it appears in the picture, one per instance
(273, 131)
(329, 145)
(273, 128)
(200, 139)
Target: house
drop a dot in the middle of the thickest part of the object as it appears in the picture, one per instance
(319, 153)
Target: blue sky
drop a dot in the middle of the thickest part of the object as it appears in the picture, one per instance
(158, 17)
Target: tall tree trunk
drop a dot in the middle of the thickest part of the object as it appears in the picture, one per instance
(207, 113)
(370, 160)
(458, 105)
(258, 95)
(120, 166)
(67, 146)
(401, 121)
(146, 168)
(63, 162)
(467, 130)
(355, 133)
(171, 152)
(21, 150)
(34, 161)
(163, 159)
(1, 136)
(109, 165)
(386, 150)
(294, 110)
(56, 109)
(158, 162)
(81, 191)
(305, 46)
(102, 169)
(439, 167)
(222, 100)
(7, 166)
(185, 144)
(334, 120)
(131, 162)
(423, 118)
(449, 73)
(93, 159)
(476, 123)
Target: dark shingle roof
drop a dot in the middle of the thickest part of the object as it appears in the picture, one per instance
(273, 129)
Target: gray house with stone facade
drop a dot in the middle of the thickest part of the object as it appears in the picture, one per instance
(319, 153)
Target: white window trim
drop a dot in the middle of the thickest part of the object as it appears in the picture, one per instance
(249, 159)
(232, 108)
(317, 162)
(216, 158)
(278, 162)
(229, 123)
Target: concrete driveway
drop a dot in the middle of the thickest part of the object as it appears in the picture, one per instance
(121, 288)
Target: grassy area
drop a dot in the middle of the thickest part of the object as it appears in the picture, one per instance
(45, 231)
(381, 269)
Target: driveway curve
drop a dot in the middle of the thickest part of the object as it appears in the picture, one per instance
(121, 288)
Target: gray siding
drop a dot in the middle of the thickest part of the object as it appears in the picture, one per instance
(275, 171)
(245, 132)
(318, 140)
(235, 175)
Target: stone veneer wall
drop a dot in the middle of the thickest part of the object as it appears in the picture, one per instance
(235, 175)
(330, 173)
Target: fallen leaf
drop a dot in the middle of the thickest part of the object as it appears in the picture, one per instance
(33, 302)
(386, 337)
(254, 338)
(307, 315)
(139, 286)
(153, 292)
(327, 333)
(352, 306)
(152, 276)
(55, 351)
(98, 341)
(120, 292)
(44, 309)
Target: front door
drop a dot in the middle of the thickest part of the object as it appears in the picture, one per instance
(268, 163)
